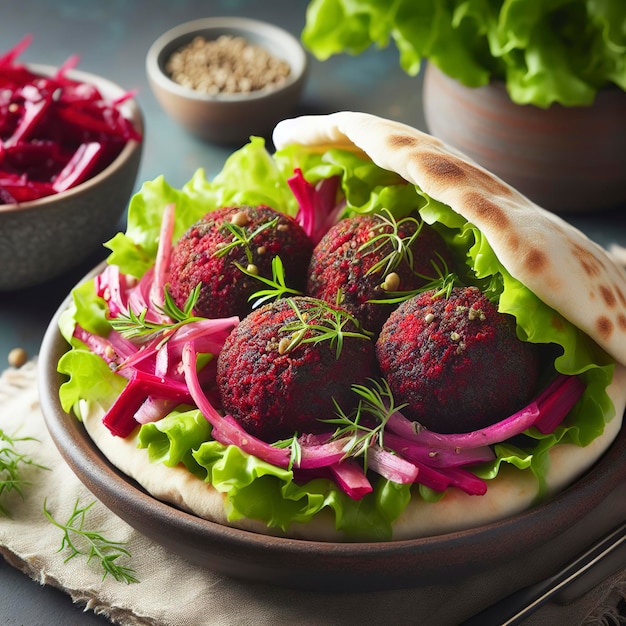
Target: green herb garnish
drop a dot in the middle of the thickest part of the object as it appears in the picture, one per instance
(92, 544)
(401, 247)
(133, 325)
(315, 325)
(243, 239)
(277, 286)
(11, 462)
(376, 401)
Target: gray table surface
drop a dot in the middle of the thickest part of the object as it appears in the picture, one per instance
(112, 38)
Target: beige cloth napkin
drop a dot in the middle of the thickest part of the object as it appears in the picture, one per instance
(173, 592)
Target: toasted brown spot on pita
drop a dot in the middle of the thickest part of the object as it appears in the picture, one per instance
(441, 167)
(514, 241)
(536, 260)
(604, 326)
(488, 211)
(608, 295)
(401, 141)
(592, 266)
(621, 321)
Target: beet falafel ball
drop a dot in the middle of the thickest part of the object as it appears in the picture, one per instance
(278, 375)
(250, 236)
(367, 256)
(457, 362)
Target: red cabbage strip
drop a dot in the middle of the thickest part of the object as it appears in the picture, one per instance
(391, 466)
(465, 480)
(112, 286)
(557, 401)
(442, 457)
(225, 430)
(33, 111)
(112, 348)
(321, 454)
(120, 418)
(79, 167)
(9, 57)
(495, 433)
(163, 255)
(350, 478)
(319, 209)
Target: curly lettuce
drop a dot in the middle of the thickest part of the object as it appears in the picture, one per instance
(545, 51)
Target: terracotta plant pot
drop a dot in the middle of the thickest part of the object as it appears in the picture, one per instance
(566, 159)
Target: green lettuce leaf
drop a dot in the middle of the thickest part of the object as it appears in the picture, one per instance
(173, 439)
(544, 50)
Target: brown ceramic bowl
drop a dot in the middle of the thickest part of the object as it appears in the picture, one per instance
(228, 118)
(566, 159)
(42, 239)
(446, 559)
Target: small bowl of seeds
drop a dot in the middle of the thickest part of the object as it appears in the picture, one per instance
(227, 78)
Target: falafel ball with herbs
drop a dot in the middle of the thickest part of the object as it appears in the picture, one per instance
(217, 249)
(282, 366)
(370, 257)
(456, 361)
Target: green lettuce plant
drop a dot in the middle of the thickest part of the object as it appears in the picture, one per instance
(545, 51)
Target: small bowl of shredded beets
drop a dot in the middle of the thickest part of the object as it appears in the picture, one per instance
(224, 79)
(70, 150)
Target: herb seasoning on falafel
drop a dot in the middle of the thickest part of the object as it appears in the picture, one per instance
(366, 257)
(215, 249)
(456, 361)
(276, 362)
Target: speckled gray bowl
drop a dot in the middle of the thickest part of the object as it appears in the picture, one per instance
(43, 239)
(228, 118)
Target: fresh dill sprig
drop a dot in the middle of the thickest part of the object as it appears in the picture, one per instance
(401, 247)
(242, 238)
(11, 463)
(315, 325)
(376, 401)
(277, 285)
(92, 544)
(133, 325)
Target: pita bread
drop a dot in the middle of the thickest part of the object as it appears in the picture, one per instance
(511, 492)
(557, 262)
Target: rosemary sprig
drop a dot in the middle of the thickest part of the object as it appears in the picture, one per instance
(401, 247)
(315, 325)
(376, 401)
(277, 285)
(135, 325)
(11, 462)
(93, 544)
(242, 238)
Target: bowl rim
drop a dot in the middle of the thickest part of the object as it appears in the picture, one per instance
(322, 565)
(132, 112)
(297, 59)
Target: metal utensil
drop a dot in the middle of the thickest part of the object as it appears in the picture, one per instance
(603, 557)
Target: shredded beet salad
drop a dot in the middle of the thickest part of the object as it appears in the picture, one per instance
(55, 132)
